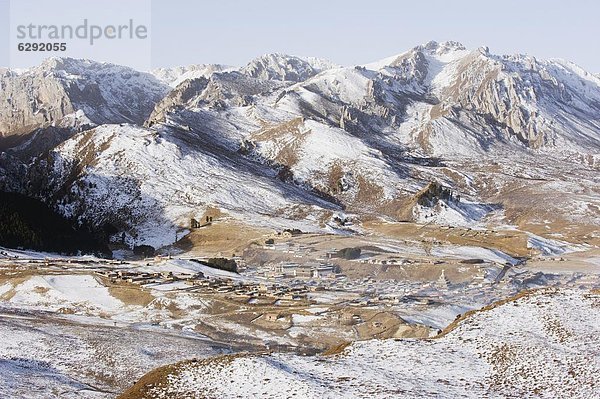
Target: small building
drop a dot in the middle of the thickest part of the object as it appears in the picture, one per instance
(349, 318)
(211, 214)
(272, 316)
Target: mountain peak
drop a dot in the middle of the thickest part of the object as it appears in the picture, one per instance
(277, 66)
(173, 76)
(442, 48)
(68, 63)
(445, 51)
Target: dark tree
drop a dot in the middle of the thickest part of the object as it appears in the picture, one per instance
(28, 223)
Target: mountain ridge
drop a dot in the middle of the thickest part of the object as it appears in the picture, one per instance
(314, 138)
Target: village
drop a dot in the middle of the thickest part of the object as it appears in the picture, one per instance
(251, 292)
(303, 291)
(298, 274)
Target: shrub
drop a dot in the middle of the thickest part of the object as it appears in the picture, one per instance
(229, 265)
(146, 251)
(349, 253)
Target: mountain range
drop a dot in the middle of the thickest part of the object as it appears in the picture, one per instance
(438, 134)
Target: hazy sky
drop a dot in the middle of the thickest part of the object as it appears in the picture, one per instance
(352, 32)
(4, 33)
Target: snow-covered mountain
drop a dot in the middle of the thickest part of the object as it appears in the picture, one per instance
(174, 76)
(285, 67)
(442, 99)
(105, 93)
(150, 183)
(298, 140)
(64, 95)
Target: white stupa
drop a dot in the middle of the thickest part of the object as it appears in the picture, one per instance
(442, 281)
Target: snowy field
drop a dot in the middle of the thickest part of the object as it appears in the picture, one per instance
(543, 345)
(45, 357)
(68, 336)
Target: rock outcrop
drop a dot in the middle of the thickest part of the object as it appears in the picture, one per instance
(69, 93)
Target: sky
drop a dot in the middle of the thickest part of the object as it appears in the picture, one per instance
(349, 32)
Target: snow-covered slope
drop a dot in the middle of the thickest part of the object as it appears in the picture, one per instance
(69, 336)
(542, 345)
(149, 183)
(52, 292)
(45, 105)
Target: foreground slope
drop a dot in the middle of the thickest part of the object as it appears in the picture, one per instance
(541, 345)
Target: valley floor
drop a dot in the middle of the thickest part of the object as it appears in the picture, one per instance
(390, 319)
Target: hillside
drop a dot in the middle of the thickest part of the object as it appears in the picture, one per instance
(538, 345)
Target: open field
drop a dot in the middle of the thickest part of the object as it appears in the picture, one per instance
(220, 239)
